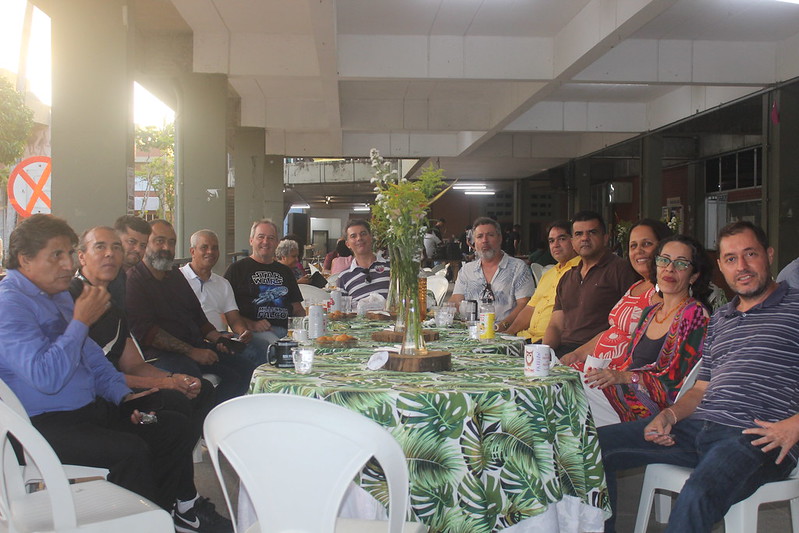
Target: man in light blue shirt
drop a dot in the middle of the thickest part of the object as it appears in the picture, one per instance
(67, 386)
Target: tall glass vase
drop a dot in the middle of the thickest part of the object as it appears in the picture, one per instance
(406, 268)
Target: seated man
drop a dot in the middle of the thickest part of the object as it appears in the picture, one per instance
(586, 293)
(738, 426)
(100, 257)
(133, 233)
(68, 388)
(509, 279)
(265, 290)
(368, 272)
(166, 318)
(216, 295)
(532, 321)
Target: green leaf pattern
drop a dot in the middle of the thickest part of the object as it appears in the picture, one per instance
(486, 447)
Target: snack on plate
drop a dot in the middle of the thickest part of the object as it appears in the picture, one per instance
(337, 339)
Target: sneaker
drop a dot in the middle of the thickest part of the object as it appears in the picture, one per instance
(201, 518)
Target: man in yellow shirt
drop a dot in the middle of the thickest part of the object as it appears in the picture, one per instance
(532, 321)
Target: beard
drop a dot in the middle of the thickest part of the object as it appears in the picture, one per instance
(161, 260)
(487, 254)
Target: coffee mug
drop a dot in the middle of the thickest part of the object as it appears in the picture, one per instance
(315, 321)
(538, 358)
(279, 353)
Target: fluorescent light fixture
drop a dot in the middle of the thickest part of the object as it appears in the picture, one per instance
(479, 193)
(469, 187)
(789, 1)
(300, 206)
(361, 208)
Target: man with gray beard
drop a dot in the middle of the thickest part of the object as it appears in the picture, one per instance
(169, 323)
(494, 272)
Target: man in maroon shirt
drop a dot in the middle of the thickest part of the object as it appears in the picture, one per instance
(588, 292)
(169, 323)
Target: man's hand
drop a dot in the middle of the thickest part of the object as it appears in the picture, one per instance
(783, 434)
(92, 303)
(305, 279)
(136, 416)
(188, 385)
(571, 358)
(659, 429)
(203, 356)
(601, 379)
(258, 325)
(245, 336)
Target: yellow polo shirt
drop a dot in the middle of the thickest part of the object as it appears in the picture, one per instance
(543, 300)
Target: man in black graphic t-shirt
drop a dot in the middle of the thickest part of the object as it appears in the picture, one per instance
(266, 290)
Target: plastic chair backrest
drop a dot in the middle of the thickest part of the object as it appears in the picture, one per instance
(689, 380)
(8, 397)
(297, 456)
(313, 294)
(439, 285)
(12, 492)
(538, 271)
(332, 279)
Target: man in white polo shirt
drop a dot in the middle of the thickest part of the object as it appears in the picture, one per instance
(216, 295)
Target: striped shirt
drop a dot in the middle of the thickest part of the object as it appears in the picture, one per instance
(751, 361)
(358, 282)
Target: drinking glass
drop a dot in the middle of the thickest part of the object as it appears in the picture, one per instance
(303, 359)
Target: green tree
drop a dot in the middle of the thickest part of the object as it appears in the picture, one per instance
(16, 122)
(158, 171)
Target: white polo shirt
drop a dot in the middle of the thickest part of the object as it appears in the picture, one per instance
(215, 295)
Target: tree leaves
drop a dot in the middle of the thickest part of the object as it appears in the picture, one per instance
(16, 123)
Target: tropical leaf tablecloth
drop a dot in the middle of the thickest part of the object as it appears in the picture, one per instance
(487, 448)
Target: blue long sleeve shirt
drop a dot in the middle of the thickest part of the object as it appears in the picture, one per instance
(46, 356)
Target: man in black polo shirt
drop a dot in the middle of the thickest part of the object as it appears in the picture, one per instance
(100, 258)
(587, 292)
(169, 323)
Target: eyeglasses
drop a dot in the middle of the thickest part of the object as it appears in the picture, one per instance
(366, 274)
(679, 264)
(488, 294)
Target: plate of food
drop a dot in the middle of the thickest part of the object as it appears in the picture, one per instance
(338, 315)
(337, 341)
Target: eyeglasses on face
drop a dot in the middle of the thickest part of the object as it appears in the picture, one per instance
(679, 264)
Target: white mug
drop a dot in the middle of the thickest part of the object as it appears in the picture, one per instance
(315, 321)
(538, 358)
(336, 295)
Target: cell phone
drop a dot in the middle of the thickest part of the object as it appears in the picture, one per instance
(152, 402)
(233, 345)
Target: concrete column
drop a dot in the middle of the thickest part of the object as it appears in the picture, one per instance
(781, 175)
(92, 125)
(200, 158)
(651, 176)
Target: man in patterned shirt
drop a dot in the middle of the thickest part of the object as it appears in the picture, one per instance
(507, 278)
(738, 426)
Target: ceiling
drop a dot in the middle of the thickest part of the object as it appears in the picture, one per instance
(490, 89)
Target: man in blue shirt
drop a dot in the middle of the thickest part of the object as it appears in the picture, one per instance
(738, 426)
(67, 386)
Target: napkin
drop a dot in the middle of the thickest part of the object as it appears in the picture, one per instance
(378, 360)
(371, 302)
(597, 363)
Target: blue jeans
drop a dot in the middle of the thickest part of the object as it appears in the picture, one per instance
(727, 468)
(256, 348)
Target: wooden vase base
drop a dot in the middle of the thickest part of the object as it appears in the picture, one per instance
(433, 361)
(380, 315)
(396, 336)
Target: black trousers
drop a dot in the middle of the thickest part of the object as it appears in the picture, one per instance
(152, 460)
(195, 410)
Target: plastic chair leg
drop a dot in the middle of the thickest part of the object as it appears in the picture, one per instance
(741, 518)
(662, 507)
(794, 515)
(644, 506)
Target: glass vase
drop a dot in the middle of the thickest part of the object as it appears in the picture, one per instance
(406, 267)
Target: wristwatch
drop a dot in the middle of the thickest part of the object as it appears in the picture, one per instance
(634, 377)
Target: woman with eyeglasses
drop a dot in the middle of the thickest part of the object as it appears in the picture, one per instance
(645, 235)
(666, 343)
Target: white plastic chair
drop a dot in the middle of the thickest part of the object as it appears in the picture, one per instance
(439, 286)
(94, 506)
(297, 456)
(741, 517)
(332, 279)
(313, 294)
(30, 473)
(538, 271)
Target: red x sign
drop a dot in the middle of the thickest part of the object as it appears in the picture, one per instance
(29, 186)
